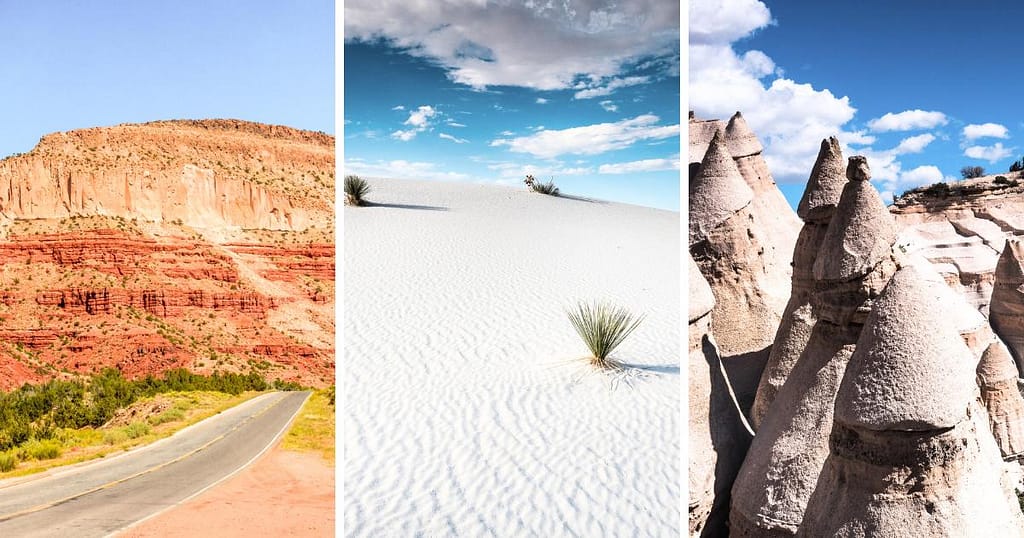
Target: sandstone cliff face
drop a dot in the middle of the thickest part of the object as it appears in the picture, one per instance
(207, 174)
(148, 247)
(961, 229)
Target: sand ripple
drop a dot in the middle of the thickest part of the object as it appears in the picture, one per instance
(463, 415)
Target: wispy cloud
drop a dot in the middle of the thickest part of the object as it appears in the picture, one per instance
(400, 169)
(606, 87)
(646, 165)
(609, 106)
(398, 107)
(542, 101)
(590, 139)
(457, 140)
(454, 123)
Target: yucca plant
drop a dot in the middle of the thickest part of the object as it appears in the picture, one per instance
(548, 188)
(355, 189)
(602, 327)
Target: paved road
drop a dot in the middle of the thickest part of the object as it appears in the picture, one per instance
(102, 498)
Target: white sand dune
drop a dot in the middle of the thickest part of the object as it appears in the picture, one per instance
(464, 413)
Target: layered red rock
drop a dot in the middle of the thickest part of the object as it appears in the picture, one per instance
(215, 253)
(906, 454)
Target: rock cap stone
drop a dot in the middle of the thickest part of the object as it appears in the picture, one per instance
(718, 191)
(861, 232)
(742, 141)
(911, 371)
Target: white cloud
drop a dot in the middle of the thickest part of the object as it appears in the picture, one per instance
(541, 101)
(922, 175)
(508, 170)
(790, 118)
(609, 106)
(400, 169)
(419, 119)
(398, 107)
(726, 21)
(607, 87)
(481, 43)
(454, 123)
(420, 116)
(404, 136)
(506, 133)
(989, 153)
(914, 144)
(590, 139)
(908, 120)
(447, 136)
(646, 165)
(992, 130)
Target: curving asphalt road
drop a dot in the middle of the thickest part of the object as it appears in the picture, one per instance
(102, 498)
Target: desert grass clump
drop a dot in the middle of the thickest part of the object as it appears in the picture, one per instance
(355, 189)
(603, 327)
(548, 188)
(8, 461)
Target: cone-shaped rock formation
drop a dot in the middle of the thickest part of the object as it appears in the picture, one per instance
(1006, 311)
(997, 377)
(816, 208)
(718, 191)
(907, 456)
(786, 456)
(717, 439)
(736, 234)
(857, 238)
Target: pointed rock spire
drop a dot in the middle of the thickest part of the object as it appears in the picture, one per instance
(824, 187)
(997, 377)
(911, 370)
(996, 365)
(742, 141)
(861, 232)
(718, 190)
(1006, 309)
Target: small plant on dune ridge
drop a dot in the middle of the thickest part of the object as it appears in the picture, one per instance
(355, 189)
(602, 327)
(548, 188)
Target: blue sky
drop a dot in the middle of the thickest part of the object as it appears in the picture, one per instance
(922, 88)
(72, 64)
(588, 95)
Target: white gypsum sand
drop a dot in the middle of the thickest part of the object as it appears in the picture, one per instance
(464, 411)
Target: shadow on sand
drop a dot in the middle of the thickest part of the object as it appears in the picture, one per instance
(654, 369)
(406, 206)
(581, 198)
